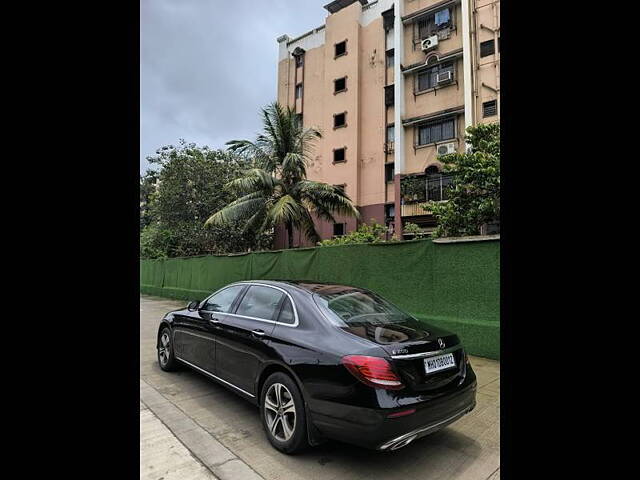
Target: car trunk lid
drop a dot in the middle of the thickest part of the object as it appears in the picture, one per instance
(410, 344)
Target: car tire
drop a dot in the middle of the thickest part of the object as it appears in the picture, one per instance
(283, 414)
(166, 357)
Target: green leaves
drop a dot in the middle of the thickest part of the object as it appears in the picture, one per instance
(276, 190)
(474, 195)
(177, 198)
(374, 233)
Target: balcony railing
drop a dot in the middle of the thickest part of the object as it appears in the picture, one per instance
(418, 190)
(414, 210)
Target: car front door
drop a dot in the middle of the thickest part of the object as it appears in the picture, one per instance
(243, 339)
(195, 332)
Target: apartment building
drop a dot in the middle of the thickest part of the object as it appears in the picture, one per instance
(392, 85)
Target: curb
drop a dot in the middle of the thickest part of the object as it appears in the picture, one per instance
(210, 452)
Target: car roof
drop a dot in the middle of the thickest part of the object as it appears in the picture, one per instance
(310, 286)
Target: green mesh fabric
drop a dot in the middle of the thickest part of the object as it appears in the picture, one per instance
(453, 285)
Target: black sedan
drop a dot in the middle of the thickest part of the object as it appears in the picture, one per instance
(323, 361)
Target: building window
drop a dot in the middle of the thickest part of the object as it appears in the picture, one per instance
(390, 135)
(389, 95)
(437, 185)
(389, 172)
(390, 58)
(339, 120)
(339, 229)
(341, 48)
(299, 90)
(387, 19)
(339, 155)
(339, 85)
(436, 131)
(299, 60)
(299, 120)
(390, 210)
(490, 108)
(437, 21)
(487, 48)
(429, 78)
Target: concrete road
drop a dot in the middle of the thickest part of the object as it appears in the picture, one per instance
(224, 432)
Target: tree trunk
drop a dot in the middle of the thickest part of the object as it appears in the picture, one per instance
(290, 235)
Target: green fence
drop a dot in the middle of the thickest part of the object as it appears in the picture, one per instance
(453, 285)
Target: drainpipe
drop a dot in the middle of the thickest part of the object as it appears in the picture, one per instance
(496, 29)
(466, 63)
(398, 110)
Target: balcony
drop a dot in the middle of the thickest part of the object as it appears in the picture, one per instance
(416, 190)
(414, 210)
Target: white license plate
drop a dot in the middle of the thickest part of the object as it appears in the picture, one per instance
(441, 362)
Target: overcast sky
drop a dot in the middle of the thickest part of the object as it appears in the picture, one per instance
(207, 66)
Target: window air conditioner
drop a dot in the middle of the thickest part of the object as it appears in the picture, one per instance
(429, 43)
(446, 148)
(444, 77)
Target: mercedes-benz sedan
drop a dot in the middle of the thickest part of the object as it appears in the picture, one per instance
(323, 361)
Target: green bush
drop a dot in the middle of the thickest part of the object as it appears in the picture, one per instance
(413, 229)
(365, 233)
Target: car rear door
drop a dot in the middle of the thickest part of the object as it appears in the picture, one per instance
(194, 334)
(243, 339)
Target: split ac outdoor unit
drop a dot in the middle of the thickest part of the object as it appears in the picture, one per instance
(444, 77)
(429, 43)
(446, 148)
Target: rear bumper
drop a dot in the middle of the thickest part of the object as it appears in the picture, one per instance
(370, 428)
(404, 440)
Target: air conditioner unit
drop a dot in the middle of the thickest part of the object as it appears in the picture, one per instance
(446, 148)
(444, 77)
(429, 43)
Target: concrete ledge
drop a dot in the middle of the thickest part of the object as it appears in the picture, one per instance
(209, 451)
(470, 238)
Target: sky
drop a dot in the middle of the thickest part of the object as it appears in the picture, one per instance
(208, 66)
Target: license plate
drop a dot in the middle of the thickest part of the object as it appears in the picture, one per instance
(441, 362)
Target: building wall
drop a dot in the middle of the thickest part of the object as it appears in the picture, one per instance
(486, 69)
(364, 65)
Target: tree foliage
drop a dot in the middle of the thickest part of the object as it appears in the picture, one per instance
(413, 229)
(474, 193)
(178, 197)
(148, 183)
(276, 190)
(373, 233)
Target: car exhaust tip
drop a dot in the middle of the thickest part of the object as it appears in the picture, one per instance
(402, 443)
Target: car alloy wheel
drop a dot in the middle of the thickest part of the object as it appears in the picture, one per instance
(280, 412)
(164, 349)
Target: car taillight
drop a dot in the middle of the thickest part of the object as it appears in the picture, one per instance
(372, 371)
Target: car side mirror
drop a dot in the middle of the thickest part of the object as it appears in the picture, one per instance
(193, 306)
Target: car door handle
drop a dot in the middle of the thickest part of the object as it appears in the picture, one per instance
(214, 320)
(258, 332)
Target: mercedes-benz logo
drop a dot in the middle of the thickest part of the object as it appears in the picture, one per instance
(441, 343)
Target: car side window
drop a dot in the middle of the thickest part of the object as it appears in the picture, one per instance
(286, 314)
(260, 302)
(222, 301)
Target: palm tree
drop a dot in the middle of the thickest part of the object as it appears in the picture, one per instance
(276, 191)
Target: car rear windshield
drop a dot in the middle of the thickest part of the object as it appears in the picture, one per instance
(353, 306)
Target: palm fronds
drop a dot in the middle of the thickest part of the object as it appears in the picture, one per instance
(277, 191)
